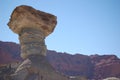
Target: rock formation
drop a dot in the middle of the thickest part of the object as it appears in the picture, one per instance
(104, 66)
(33, 26)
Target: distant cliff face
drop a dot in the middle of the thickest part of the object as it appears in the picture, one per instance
(9, 52)
(106, 66)
(95, 66)
(73, 65)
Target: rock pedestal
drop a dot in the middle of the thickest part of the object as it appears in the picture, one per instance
(33, 26)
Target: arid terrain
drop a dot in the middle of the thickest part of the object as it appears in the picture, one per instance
(92, 67)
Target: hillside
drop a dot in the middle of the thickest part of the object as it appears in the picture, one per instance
(94, 66)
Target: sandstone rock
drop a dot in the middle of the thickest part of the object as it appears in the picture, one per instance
(72, 65)
(37, 68)
(32, 42)
(27, 17)
(9, 53)
(106, 66)
(33, 26)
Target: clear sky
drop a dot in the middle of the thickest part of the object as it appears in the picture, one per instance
(84, 26)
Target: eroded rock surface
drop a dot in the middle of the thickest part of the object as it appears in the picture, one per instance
(33, 26)
(28, 17)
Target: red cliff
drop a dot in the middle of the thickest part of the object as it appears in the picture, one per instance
(94, 67)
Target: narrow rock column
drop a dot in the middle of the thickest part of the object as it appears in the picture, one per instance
(32, 26)
(32, 43)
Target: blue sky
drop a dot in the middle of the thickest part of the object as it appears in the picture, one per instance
(84, 26)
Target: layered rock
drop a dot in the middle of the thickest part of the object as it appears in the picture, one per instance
(9, 52)
(27, 17)
(106, 66)
(33, 26)
(72, 65)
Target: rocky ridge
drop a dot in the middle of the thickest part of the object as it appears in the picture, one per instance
(93, 67)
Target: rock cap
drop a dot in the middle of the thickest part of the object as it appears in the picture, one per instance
(27, 17)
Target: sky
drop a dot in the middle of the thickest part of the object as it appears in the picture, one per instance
(86, 27)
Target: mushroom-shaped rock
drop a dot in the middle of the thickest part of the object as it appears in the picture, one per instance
(27, 17)
(32, 26)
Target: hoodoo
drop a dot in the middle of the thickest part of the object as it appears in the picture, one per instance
(33, 26)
